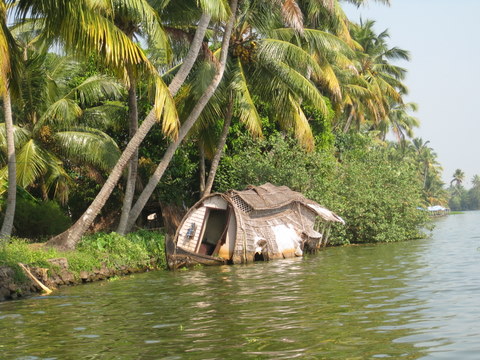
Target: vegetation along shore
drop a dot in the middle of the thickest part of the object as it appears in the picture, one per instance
(118, 116)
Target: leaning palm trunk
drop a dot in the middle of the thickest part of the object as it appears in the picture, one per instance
(187, 125)
(7, 225)
(349, 120)
(219, 151)
(201, 149)
(70, 238)
(133, 164)
(197, 41)
(174, 86)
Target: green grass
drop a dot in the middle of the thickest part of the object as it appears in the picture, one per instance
(112, 250)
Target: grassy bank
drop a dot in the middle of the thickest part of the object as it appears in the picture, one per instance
(139, 249)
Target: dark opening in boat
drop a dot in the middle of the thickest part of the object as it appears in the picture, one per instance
(214, 232)
(259, 257)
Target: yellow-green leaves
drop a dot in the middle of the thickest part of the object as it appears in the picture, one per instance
(245, 107)
(165, 109)
(219, 9)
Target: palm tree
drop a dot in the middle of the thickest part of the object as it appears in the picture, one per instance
(136, 19)
(458, 177)
(375, 85)
(131, 21)
(291, 63)
(7, 225)
(8, 82)
(476, 181)
(164, 102)
(399, 121)
(474, 193)
(50, 133)
(72, 236)
(425, 157)
(276, 59)
(189, 122)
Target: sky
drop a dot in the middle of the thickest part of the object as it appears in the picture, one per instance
(443, 38)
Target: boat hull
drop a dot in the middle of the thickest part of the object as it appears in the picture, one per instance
(178, 258)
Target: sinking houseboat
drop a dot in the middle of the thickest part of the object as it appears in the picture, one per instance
(260, 223)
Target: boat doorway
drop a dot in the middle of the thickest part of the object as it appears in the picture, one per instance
(214, 231)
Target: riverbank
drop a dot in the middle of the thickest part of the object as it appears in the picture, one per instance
(98, 257)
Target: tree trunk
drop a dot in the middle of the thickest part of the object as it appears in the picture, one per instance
(187, 125)
(70, 238)
(133, 164)
(219, 151)
(195, 46)
(349, 120)
(202, 168)
(7, 225)
(425, 178)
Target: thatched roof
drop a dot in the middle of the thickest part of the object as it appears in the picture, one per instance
(268, 196)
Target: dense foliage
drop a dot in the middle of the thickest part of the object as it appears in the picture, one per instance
(363, 187)
(293, 92)
(460, 197)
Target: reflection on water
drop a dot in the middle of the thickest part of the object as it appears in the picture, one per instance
(414, 300)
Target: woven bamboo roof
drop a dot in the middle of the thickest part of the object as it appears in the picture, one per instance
(268, 196)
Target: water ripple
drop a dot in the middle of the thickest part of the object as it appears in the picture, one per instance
(411, 300)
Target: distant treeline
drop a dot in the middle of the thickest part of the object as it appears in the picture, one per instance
(462, 198)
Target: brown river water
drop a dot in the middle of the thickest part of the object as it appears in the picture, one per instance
(411, 300)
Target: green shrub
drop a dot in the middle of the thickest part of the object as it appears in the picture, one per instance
(153, 242)
(17, 251)
(375, 193)
(36, 219)
(378, 197)
(113, 250)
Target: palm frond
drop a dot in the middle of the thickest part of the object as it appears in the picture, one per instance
(302, 129)
(292, 15)
(141, 12)
(215, 108)
(165, 108)
(110, 115)
(389, 86)
(316, 40)
(90, 146)
(396, 71)
(20, 136)
(358, 91)
(95, 88)
(219, 9)
(34, 82)
(10, 59)
(61, 68)
(328, 78)
(298, 84)
(62, 112)
(396, 53)
(291, 54)
(4, 47)
(85, 26)
(245, 106)
(32, 163)
(58, 181)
